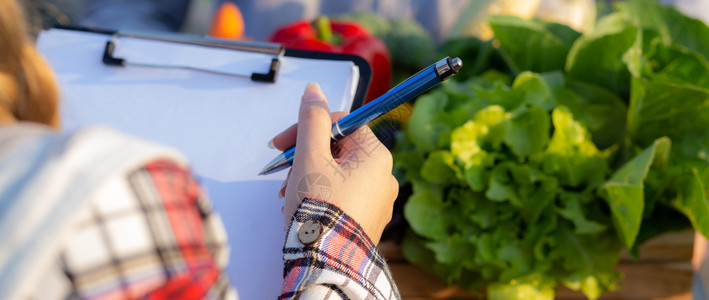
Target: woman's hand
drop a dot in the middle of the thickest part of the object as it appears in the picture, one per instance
(355, 174)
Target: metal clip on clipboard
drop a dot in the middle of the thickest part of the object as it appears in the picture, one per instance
(267, 48)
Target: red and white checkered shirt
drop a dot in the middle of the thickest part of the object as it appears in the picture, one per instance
(150, 235)
(155, 236)
(342, 263)
(151, 232)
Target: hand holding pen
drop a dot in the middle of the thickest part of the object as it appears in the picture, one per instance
(337, 177)
(366, 191)
(405, 91)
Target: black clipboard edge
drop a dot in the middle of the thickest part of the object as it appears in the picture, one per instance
(365, 70)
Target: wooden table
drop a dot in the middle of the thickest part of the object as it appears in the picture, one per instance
(663, 271)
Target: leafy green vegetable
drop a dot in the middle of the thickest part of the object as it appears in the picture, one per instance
(487, 127)
(594, 143)
(426, 206)
(601, 58)
(573, 211)
(537, 90)
(526, 188)
(588, 260)
(602, 112)
(425, 126)
(673, 27)
(544, 45)
(479, 56)
(653, 111)
(533, 287)
(675, 64)
(624, 191)
(571, 156)
(691, 201)
(527, 131)
(438, 167)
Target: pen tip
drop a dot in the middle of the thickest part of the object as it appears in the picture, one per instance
(279, 163)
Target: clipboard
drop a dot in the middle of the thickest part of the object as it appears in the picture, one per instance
(221, 122)
(365, 70)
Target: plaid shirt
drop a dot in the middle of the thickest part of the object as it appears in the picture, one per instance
(154, 235)
(342, 263)
(151, 235)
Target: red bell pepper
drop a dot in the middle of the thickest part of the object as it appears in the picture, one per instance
(341, 37)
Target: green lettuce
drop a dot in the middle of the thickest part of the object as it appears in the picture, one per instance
(537, 174)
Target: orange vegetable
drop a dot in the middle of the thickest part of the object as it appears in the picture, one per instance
(228, 22)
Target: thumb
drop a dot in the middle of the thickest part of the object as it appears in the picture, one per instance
(314, 125)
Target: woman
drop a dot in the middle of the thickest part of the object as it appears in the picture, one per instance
(96, 214)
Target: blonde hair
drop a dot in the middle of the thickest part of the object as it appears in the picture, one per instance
(28, 90)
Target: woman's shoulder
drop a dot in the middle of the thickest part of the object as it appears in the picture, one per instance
(33, 155)
(57, 180)
(38, 142)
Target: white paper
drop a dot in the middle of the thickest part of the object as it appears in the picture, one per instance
(222, 123)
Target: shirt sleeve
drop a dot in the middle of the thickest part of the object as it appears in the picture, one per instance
(151, 234)
(329, 256)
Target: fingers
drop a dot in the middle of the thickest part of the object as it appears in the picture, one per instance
(286, 139)
(282, 190)
(336, 116)
(362, 139)
(363, 143)
(314, 123)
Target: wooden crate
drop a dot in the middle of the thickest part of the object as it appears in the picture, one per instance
(663, 271)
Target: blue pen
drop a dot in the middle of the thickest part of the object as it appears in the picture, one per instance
(405, 91)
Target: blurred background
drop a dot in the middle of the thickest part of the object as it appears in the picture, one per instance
(462, 17)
